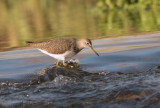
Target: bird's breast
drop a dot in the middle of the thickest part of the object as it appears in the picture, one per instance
(69, 54)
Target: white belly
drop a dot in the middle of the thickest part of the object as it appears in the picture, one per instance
(67, 54)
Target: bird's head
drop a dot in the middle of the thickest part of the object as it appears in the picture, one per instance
(86, 43)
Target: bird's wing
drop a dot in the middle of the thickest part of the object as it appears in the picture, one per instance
(55, 46)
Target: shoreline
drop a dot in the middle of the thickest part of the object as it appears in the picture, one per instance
(156, 33)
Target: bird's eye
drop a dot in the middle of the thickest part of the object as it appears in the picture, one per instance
(87, 43)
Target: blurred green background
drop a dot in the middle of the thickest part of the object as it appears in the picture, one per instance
(37, 20)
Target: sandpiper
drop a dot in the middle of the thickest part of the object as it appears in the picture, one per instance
(62, 48)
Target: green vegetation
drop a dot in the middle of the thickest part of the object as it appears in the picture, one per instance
(127, 4)
(120, 17)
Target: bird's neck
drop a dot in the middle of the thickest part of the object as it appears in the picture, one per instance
(79, 45)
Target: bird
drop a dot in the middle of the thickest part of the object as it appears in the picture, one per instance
(62, 48)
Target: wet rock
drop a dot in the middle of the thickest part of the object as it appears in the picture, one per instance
(128, 97)
(51, 72)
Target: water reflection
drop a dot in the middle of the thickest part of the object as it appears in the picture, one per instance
(42, 20)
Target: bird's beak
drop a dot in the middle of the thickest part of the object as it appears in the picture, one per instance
(93, 50)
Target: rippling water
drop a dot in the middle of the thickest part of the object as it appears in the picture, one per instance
(126, 74)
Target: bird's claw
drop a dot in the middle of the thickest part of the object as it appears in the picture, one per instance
(64, 64)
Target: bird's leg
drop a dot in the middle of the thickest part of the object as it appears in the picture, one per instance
(57, 62)
(64, 64)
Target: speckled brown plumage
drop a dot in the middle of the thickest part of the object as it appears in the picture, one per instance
(57, 45)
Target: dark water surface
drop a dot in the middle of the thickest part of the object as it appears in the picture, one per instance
(125, 75)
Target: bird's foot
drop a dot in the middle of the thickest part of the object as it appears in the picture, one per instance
(64, 64)
(57, 63)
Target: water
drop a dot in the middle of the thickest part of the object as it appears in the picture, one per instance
(126, 74)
